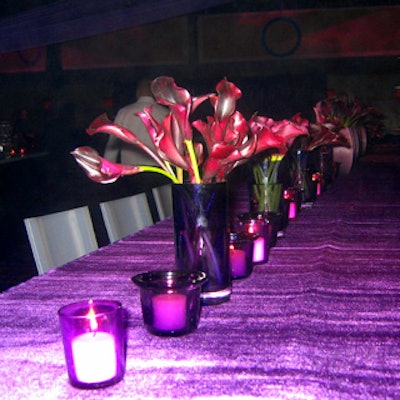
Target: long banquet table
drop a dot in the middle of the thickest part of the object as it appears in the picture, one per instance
(320, 320)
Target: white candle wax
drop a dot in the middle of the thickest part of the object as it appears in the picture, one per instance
(259, 249)
(95, 357)
(169, 311)
(292, 210)
(238, 262)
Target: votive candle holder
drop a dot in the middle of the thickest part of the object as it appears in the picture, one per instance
(170, 300)
(240, 255)
(94, 339)
(290, 195)
(256, 225)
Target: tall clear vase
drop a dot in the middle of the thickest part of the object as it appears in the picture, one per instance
(265, 194)
(268, 199)
(200, 213)
(326, 164)
(302, 176)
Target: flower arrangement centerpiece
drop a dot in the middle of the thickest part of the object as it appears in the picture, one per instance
(266, 191)
(344, 115)
(343, 110)
(321, 141)
(228, 140)
(324, 135)
(198, 166)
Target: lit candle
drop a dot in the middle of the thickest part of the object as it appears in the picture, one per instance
(93, 337)
(238, 262)
(169, 311)
(259, 226)
(292, 210)
(259, 249)
(94, 355)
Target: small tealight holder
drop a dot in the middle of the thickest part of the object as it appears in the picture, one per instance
(171, 303)
(291, 196)
(256, 225)
(240, 255)
(94, 342)
(318, 178)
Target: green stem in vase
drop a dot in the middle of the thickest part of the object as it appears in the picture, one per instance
(148, 168)
(266, 190)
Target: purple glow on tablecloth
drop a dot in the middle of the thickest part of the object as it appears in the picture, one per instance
(320, 320)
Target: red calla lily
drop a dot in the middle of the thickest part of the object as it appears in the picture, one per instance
(100, 170)
(228, 138)
(321, 135)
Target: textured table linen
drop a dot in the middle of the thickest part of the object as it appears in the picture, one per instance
(320, 320)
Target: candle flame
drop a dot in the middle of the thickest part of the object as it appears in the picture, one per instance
(250, 229)
(91, 315)
(316, 176)
(231, 247)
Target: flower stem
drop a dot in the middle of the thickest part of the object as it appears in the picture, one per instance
(148, 168)
(193, 160)
(179, 174)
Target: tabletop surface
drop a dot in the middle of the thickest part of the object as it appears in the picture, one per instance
(320, 320)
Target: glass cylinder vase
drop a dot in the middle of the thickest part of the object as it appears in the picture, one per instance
(265, 197)
(302, 176)
(326, 164)
(268, 199)
(200, 214)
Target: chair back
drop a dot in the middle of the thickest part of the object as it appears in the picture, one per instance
(125, 216)
(60, 237)
(163, 199)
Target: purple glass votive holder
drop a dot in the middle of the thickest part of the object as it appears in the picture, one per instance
(240, 255)
(170, 300)
(93, 334)
(256, 225)
(318, 178)
(291, 197)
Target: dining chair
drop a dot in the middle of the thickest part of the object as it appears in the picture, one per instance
(163, 199)
(126, 215)
(60, 237)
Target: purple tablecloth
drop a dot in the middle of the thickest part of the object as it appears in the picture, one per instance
(320, 320)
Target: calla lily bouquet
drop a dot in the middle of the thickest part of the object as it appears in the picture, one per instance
(343, 110)
(227, 138)
(324, 135)
(266, 189)
(266, 166)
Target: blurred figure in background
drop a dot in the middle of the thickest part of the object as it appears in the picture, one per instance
(119, 151)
